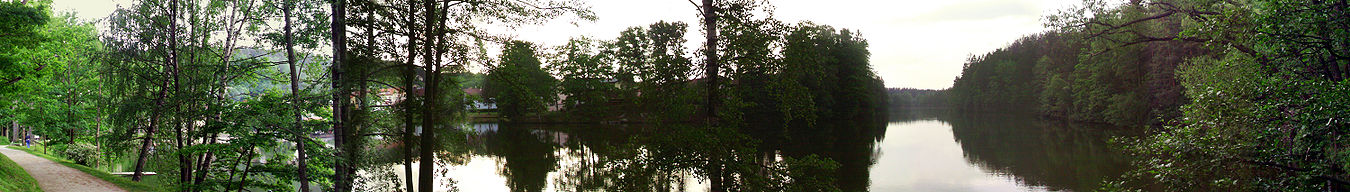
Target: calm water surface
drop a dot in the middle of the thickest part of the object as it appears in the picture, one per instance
(913, 151)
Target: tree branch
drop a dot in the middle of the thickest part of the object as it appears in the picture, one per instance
(696, 6)
(11, 81)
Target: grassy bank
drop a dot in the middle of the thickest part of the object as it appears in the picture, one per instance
(14, 178)
(122, 182)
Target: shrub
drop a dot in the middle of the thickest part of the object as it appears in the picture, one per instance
(51, 147)
(81, 153)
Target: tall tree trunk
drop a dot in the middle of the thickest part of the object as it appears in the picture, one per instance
(430, 103)
(184, 162)
(248, 164)
(205, 163)
(70, 110)
(179, 124)
(149, 133)
(299, 129)
(248, 156)
(409, 123)
(157, 114)
(342, 170)
(429, 121)
(712, 64)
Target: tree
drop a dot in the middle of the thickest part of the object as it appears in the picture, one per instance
(168, 67)
(588, 80)
(666, 84)
(55, 102)
(301, 136)
(831, 68)
(717, 14)
(1259, 93)
(448, 29)
(519, 86)
(20, 22)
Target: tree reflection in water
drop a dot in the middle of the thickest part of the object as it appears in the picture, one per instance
(835, 155)
(1055, 155)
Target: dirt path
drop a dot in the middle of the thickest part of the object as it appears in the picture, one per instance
(54, 177)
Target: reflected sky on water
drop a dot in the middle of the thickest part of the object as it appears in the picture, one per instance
(910, 152)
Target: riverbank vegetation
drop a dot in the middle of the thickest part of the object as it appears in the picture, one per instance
(1242, 95)
(326, 95)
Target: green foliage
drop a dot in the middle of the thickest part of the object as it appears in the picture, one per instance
(121, 182)
(58, 76)
(14, 178)
(81, 153)
(209, 107)
(818, 74)
(1263, 108)
(1305, 38)
(910, 99)
(826, 73)
(1004, 78)
(811, 173)
(1088, 69)
(1249, 93)
(21, 26)
(587, 79)
(667, 65)
(519, 86)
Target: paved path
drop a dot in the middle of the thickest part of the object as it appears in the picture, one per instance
(54, 177)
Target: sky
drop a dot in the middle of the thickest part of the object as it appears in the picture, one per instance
(914, 43)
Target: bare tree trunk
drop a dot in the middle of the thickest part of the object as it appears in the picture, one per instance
(409, 123)
(248, 163)
(299, 129)
(430, 103)
(157, 114)
(70, 113)
(711, 66)
(248, 156)
(205, 163)
(342, 172)
(712, 63)
(145, 140)
(14, 131)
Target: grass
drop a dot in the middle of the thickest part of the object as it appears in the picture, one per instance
(122, 182)
(14, 178)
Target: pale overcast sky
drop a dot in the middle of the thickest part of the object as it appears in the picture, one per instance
(914, 43)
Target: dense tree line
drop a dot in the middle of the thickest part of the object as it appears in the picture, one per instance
(193, 89)
(793, 81)
(1071, 75)
(917, 99)
(1250, 95)
(821, 74)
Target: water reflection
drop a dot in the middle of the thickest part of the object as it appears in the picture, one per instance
(1054, 155)
(913, 151)
(526, 155)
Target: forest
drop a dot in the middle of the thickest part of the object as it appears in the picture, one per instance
(359, 95)
(1246, 95)
(406, 95)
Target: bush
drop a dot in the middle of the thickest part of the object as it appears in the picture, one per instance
(51, 147)
(81, 153)
(4, 140)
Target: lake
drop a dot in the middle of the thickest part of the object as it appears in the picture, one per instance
(911, 151)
